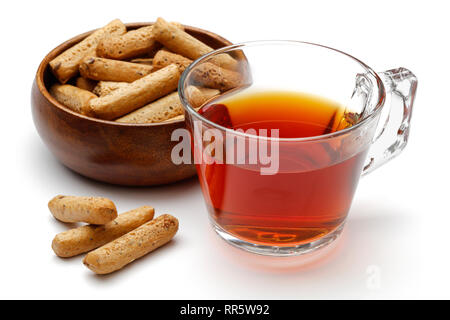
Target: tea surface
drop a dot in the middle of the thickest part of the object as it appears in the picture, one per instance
(296, 115)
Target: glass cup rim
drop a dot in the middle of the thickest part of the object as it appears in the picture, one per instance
(194, 113)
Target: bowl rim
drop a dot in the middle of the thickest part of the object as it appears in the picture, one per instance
(39, 78)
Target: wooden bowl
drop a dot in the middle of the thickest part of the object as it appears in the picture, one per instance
(118, 153)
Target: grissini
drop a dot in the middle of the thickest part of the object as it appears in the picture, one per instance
(148, 61)
(206, 73)
(136, 94)
(167, 107)
(197, 98)
(206, 94)
(86, 238)
(133, 245)
(163, 58)
(212, 76)
(129, 45)
(104, 88)
(72, 97)
(132, 44)
(65, 66)
(85, 84)
(157, 111)
(93, 210)
(113, 70)
(181, 42)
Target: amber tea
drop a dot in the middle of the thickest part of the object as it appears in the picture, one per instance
(306, 199)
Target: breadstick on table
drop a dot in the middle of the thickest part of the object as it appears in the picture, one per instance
(133, 245)
(132, 44)
(65, 66)
(113, 70)
(93, 210)
(72, 97)
(104, 88)
(136, 94)
(180, 42)
(86, 84)
(167, 107)
(86, 238)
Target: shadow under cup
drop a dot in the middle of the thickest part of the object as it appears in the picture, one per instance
(303, 204)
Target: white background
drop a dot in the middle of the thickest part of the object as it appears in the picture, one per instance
(397, 228)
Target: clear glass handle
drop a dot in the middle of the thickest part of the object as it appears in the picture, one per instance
(393, 131)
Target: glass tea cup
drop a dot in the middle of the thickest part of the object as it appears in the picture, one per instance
(303, 203)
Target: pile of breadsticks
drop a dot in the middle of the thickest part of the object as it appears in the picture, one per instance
(132, 76)
(112, 240)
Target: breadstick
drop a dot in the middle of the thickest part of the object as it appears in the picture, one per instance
(177, 25)
(157, 111)
(74, 98)
(212, 76)
(86, 238)
(177, 118)
(132, 44)
(197, 97)
(136, 94)
(208, 74)
(167, 107)
(93, 210)
(164, 58)
(106, 87)
(178, 41)
(148, 61)
(133, 245)
(86, 84)
(113, 70)
(65, 66)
